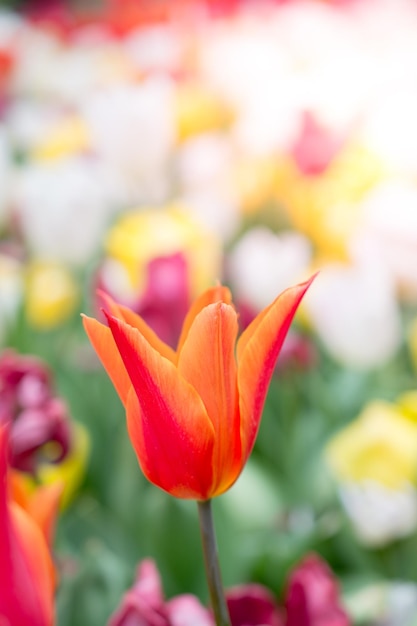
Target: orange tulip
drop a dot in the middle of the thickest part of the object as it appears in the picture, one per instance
(193, 414)
(27, 575)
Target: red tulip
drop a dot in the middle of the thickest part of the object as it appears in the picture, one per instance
(193, 415)
(27, 575)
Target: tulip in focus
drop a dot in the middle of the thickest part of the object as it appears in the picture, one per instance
(193, 414)
(27, 576)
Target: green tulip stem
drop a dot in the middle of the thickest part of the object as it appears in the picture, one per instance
(211, 561)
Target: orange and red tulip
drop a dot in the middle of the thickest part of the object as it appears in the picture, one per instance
(27, 574)
(193, 414)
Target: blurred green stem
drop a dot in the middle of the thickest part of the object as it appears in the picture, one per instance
(211, 561)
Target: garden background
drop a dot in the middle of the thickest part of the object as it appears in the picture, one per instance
(151, 149)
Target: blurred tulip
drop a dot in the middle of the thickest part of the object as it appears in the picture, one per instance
(253, 605)
(262, 263)
(380, 445)
(312, 596)
(27, 576)
(204, 167)
(144, 604)
(132, 131)
(315, 147)
(365, 332)
(327, 208)
(62, 207)
(63, 139)
(379, 514)
(205, 448)
(199, 111)
(157, 261)
(254, 181)
(165, 298)
(51, 294)
(37, 417)
(71, 470)
(401, 604)
(41, 502)
(387, 230)
(312, 599)
(375, 461)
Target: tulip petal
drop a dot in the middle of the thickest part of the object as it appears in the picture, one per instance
(167, 421)
(39, 565)
(210, 296)
(41, 502)
(257, 351)
(207, 361)
(133, 319)
(44, 506)
(26, 572)
(103, 343)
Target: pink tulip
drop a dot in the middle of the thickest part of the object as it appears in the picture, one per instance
(144, 604)
(36, 415)
(312, 597)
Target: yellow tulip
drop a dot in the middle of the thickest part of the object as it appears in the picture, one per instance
(51, 294)
(380, 446)
(68, 137)
(145, 234)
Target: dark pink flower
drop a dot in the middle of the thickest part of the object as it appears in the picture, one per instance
(37, 416)
(312, 597)
(253, 605)
(165, 299)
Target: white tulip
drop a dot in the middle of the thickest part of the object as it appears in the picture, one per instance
(380, 515)
(262, 264)
(354, 311)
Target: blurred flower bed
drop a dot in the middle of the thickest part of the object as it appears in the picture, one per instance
(149, 150)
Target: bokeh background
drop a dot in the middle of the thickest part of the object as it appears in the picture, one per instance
(152, 148)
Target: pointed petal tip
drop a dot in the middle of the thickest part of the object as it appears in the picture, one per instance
(305, 284)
